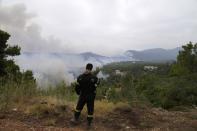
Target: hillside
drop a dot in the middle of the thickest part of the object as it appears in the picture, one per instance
(41, 116)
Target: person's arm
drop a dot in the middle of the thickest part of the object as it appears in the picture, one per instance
(77, 86)
(97, 81)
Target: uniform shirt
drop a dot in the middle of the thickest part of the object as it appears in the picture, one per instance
(87, 83)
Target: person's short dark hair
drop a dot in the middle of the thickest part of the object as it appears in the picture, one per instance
(89, 66)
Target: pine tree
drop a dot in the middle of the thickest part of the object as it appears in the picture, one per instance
(186, 60)
(7, 65)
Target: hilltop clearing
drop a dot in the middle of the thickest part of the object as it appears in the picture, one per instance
(44, 116)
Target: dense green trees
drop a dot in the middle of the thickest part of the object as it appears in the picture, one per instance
(186, 60)
(171, 85)
(178, 86)
(8, 68)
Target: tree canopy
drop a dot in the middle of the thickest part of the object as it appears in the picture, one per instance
(7, 65)
(186, 60)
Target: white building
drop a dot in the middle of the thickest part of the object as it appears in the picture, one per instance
(118, 72)
(150, 68)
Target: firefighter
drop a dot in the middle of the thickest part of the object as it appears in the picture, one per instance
(86, 89)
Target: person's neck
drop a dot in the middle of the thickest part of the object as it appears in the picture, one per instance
(87, 72)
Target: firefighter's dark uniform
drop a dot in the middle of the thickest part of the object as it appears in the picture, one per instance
(87, 83)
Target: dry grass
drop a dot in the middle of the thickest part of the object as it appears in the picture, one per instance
(47, 106)
(39, 109)
(52, 105)
(50, 122)
(53, 112)
(104, 107)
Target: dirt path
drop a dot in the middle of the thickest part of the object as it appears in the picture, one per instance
(135, 119)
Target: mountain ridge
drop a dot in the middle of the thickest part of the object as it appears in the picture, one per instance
(154, 55)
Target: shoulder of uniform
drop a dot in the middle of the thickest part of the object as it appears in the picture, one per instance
(94, 78)
(79, 77)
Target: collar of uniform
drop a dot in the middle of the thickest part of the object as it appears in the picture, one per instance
(87, 72)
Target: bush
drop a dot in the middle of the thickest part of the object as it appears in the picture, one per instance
(168, 92)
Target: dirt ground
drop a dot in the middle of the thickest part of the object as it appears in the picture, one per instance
(131, 119)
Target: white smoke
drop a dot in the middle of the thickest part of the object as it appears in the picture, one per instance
(50, 69)
(18, 22)
(101, 75)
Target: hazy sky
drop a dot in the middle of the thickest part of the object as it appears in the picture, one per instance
(106, 27)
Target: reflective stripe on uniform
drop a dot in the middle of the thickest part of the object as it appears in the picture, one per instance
(90, 115)
(77, 110)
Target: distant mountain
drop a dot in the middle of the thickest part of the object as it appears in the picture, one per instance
(156, 54)
(54, 67)
(89, 56)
